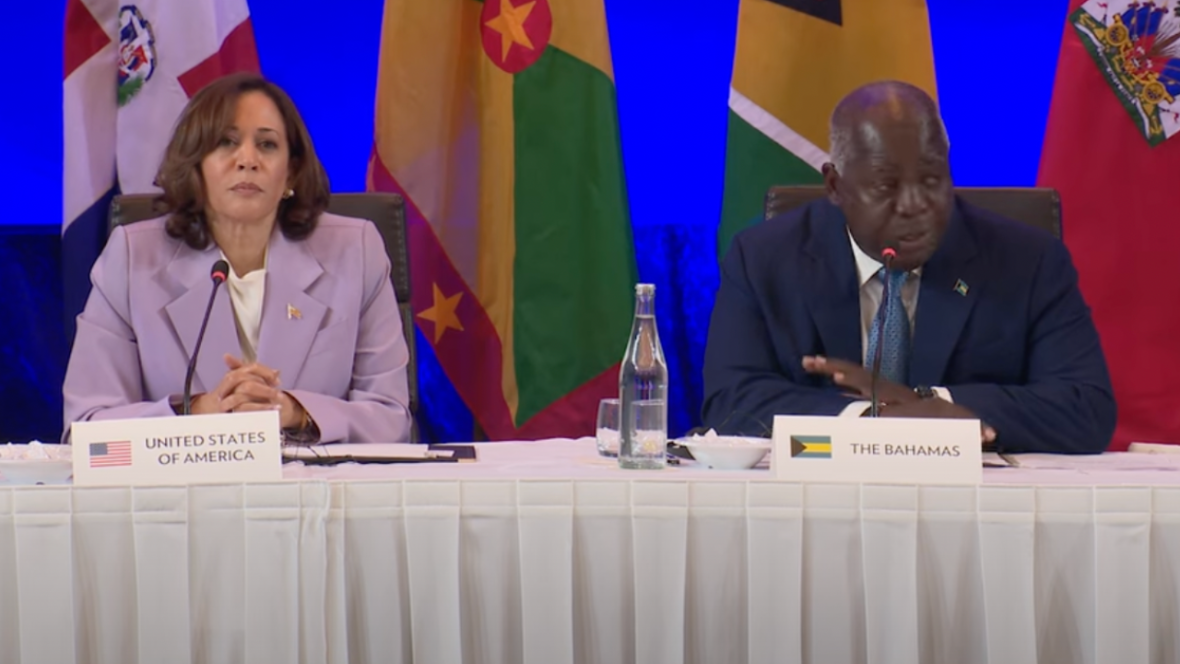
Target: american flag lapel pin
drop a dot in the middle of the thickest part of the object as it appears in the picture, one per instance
(293, 313)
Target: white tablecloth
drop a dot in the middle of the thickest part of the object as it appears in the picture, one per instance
(543, 553)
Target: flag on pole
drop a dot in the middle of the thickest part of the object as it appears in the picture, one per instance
(129, 71)
(1112, 151)
(795, 59)
(496, 120)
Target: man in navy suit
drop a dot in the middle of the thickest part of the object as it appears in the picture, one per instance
(977, 316)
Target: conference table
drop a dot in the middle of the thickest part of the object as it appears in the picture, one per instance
(545, 553)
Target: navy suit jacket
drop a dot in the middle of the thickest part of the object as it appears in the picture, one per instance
(1019, 348)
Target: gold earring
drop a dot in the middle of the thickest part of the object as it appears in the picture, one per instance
(289, 193)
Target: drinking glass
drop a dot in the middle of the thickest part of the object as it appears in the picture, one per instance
(649, 447)
(607, 431)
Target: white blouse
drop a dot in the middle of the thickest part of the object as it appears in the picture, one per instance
(246, 294)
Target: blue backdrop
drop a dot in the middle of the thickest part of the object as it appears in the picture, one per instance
(672, 66)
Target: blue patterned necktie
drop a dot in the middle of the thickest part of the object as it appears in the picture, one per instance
(895, 351)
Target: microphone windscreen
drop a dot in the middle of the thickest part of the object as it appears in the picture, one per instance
(220, 271)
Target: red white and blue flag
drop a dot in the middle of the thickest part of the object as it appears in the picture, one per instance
(130, 68)
(104, 455)
(1112, 148)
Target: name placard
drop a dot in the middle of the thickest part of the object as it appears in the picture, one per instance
(891, 450)
(197, 449)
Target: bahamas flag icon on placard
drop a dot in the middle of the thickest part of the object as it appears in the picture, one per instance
(811, 447)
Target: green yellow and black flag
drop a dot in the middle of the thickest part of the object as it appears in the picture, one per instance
(795, 60)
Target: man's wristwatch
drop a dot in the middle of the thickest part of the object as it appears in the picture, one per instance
(924, 392)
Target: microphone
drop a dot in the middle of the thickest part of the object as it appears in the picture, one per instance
(887, 256)
(218, 273)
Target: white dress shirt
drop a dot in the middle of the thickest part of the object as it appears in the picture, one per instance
(246, 294)
(871, 292)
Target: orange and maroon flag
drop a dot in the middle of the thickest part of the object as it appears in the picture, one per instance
(496, 120)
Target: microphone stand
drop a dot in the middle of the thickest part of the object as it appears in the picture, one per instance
(874, 408)
(219, 272)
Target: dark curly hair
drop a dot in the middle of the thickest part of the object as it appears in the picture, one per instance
(202, 124)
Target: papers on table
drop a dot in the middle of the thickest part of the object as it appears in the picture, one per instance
(377, 453)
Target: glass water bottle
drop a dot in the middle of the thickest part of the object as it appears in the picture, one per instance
(643, 390)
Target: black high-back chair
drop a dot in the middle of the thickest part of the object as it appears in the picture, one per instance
(1036, 206)
(387, 211)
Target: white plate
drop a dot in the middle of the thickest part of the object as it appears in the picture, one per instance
(58, 468)
(727, 452)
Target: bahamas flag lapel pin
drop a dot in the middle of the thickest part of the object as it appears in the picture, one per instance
(961, 287)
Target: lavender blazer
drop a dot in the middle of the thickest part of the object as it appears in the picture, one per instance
(343, 356)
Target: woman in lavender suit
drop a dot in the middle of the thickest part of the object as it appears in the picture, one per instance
(307, 322)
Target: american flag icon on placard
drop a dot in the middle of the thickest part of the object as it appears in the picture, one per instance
(103, 455)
